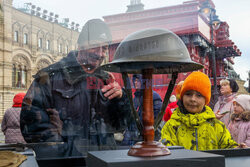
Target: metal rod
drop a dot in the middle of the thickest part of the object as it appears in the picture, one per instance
(215, 92)
(166, 99)
(130, 98)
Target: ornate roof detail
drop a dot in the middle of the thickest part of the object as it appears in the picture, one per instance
(135, 5)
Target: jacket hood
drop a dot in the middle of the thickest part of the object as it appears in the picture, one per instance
(191, 120)
(244, 101)
(18, 100)
(245, 116)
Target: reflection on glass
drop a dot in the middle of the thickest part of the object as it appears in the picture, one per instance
(42, 25)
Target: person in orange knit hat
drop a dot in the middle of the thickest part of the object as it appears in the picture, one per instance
(193, 123)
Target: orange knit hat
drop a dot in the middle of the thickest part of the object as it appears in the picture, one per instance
(199, 82)
(178, 89)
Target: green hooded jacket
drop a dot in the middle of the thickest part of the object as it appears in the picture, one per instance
(200, 131)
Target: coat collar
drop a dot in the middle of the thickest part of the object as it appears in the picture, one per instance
(227, 98)
(245, 116)
(191, 120)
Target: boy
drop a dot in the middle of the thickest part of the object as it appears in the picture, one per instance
(193, 124)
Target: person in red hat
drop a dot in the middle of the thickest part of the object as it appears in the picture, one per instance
(170, 108)
(11, 121)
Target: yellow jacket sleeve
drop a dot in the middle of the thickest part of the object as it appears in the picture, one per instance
(168, 134)
(226, 140)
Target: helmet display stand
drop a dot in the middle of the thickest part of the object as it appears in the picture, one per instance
(148, 52)
(148, 147)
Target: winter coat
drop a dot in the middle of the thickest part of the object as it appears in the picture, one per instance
(170, 108)
(225, 103)
(11, 126)
(88, 118)
(239, 128)
(200, 131)
(132, 134)
(138, 103)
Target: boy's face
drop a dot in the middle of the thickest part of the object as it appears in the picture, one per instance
(193, 101)
(237, 108)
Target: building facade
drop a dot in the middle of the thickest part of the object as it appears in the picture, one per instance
(191, 25)
(29, 40)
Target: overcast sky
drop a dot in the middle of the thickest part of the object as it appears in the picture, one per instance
(235, 13)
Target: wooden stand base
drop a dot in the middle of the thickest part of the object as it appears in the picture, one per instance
(148, 149)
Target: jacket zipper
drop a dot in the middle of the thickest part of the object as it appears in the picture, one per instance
(196, 137)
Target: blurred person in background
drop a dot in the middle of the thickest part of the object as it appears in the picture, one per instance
(11, 121)
(132, 134)
(173, 102)
(223, 108)
(170, 108)
(239, 126)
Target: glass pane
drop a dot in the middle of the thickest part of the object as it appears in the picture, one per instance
(73, 61)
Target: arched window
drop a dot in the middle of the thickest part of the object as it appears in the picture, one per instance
(20, 71)
(25, 38)
(16, 29)
(14, 75)
(26, 34)
(19, 76)
(40, 43)
(16, 36)
(66, 49)
(24, 77)
(48, 44)
(60, 48)
(41, 40)
(61, 45)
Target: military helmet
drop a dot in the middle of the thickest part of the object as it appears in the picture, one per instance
(95, 32)
(159, 49)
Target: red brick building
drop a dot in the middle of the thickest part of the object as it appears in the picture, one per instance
(189, 24)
